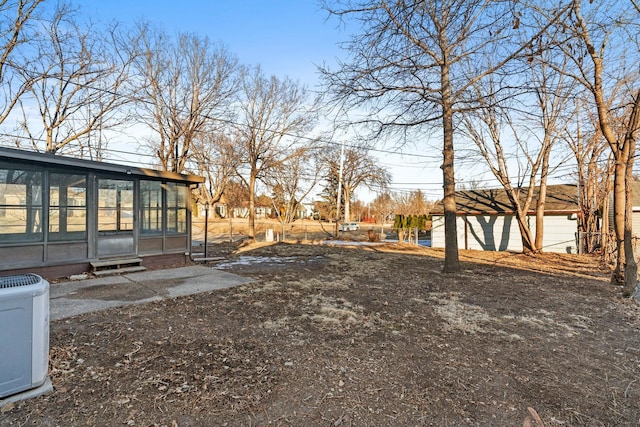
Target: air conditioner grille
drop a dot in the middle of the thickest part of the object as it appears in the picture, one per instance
(18, 280)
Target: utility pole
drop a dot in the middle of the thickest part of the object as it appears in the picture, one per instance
(339, 186)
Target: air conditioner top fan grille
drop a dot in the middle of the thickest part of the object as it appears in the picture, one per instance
(18, 280)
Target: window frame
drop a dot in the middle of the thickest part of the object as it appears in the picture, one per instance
(30, 206)
(147, 211)
(116, 206)
(177, 196)
(66, 209)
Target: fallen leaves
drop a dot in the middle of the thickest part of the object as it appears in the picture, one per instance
(355, 337)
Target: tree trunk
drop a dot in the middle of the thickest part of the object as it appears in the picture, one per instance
(617, 277)
(520, 213)
(252, 206)
(541, 201)
(347, 205)
(631, 267)
(451, 261)
(604, 227)
(623, 152)
(528, 243)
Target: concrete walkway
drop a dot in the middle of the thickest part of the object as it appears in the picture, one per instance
(71, 298)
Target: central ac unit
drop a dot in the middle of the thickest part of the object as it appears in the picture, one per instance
(24, 332)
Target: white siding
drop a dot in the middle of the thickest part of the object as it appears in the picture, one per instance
(559, 234)
(437, 231)
(501, 233)
(490, 233)
(635, 220)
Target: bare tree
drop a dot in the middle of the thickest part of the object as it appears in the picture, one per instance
(409, 68)
(412, 203)
(601, 36)
(15, 19)
(359, 169)
(382, 207)
(273, 116)
(292, 182)
(551, 113)
(594, 173)
(358, 210)
(541, 118)
(80, 81)
(214, 159)
(235, 193)
(189, 84)
(488, 134)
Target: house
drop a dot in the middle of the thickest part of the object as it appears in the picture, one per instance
(304, 210)
(635, 215)
(58, 214)
(261, 212)
(485, 220)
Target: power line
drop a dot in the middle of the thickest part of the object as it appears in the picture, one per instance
(468, 155)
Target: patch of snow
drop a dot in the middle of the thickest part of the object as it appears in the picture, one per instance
(246, 260)
(352, 243)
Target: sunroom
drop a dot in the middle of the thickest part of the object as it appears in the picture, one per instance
(60, 215)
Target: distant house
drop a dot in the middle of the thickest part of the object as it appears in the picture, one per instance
(485, 220)
(261, 212)
(59, 214)
(305, 210)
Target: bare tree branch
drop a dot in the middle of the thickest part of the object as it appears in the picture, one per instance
(15, 19)
(79, 84)
(272, 115)
(188, 85)
(409, 68)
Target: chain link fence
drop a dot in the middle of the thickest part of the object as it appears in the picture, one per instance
(589, 243)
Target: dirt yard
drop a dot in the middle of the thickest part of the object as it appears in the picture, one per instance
(221, 230)
(356, 336)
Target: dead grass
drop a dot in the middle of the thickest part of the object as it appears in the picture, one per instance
(371, 336)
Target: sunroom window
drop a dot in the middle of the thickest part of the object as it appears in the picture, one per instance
(20, 204)
(67, 207)
(177, 196)
(150, 207)
(115, 205)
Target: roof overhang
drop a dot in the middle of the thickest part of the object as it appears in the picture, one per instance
(530, 213)
(52, 160)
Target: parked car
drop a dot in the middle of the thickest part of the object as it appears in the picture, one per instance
(349, 226)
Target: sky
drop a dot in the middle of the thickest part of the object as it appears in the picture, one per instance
(286, 38)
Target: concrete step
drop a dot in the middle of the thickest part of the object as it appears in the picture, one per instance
(115, 262)
(198, 257)
(121, 270)
(107, 267)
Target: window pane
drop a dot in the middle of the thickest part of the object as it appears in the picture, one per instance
(67, 207)
(177, 196)
(150, 207)
(115, 205)
(20, 204)
(182, 221)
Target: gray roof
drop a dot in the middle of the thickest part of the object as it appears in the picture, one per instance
(12, 154)
(560, 199)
